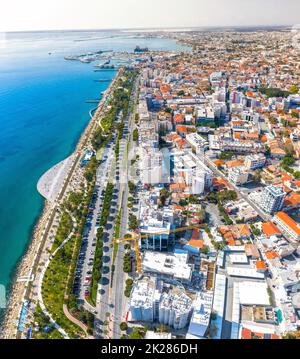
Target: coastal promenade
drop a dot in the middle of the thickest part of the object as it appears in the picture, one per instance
(39, 291)
(50, 184)
(46, 227)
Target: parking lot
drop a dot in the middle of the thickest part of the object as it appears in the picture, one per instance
(83, 273)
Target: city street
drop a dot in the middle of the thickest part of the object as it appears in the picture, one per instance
(110, 297)
(242, 194)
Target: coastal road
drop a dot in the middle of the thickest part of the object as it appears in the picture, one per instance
(104, 303)
(119, 300)
(110, 299)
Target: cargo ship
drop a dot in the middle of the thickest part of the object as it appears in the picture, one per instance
(141, 49)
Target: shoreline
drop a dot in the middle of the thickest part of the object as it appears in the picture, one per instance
(18, 289)
(29, 260)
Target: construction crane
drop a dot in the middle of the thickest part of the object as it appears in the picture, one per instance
(136, 236)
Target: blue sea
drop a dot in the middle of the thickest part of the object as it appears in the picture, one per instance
(42, 114)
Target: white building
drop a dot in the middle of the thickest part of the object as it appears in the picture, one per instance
(152, 300)
(198, 176)
(155, 223)
(168, 265)
(141, 301)
(197, 142)
(217, 142)
(143, 110)
(238, 175)
(246, 293)
(253, 293)
(201, 316)
(175, 309)
(151, 165)
(288, 226)
(272, 199)
(255, 161)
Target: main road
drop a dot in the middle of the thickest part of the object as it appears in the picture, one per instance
(119, 300)
(110, 296)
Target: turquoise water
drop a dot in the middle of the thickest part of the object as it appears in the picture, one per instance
(42, 114)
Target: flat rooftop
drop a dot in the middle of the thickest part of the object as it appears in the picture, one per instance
(174, 265)
(244, 272)
(253, 293)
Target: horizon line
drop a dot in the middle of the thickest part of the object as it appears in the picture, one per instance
(191, 28)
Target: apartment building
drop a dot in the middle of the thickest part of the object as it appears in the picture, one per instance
(155, 226)
(201, 316)
(197, 142)
(272, 199)
(288, 226)
(153, 300)
(255, 161)
(151, 166)
(238, 175)
(198, 177)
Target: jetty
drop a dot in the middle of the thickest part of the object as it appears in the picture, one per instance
(102, 80)
(106, 69)
(93, 101)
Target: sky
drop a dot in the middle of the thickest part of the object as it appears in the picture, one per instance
(26, 15)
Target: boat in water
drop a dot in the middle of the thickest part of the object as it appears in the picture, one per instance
(141, 49)
(71, 57)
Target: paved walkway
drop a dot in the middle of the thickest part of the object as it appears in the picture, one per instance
(39, 290)
(75, 320)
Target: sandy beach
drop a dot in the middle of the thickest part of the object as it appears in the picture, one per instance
(65, 181)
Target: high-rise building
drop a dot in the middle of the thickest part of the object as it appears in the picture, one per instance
(155, 223)
(272, 199)
(198, 177)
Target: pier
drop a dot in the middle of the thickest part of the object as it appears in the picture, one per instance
(112, 69)
(102, 80)
(93, 101)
